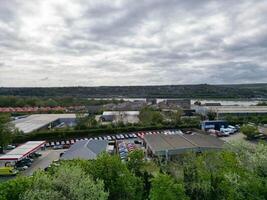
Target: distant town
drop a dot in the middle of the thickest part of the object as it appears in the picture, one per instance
(47, 133)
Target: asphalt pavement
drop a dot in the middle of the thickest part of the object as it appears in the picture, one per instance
(48, 156)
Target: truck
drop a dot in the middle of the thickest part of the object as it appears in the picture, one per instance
(215, 124)
(8, 171)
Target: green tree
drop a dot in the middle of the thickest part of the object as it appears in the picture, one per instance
(135, 160)
(119, 181)
(50, 102)
(66, 183)
(85, 122)
(211, 115)
(249, 131)
(165, 188)
(14, 189)
(6, 134)
(149, 116)
(176, 115)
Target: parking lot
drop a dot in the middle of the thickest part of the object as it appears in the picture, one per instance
(48, 156)
(234, 137)
(123, 136)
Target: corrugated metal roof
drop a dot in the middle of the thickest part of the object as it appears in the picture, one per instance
(179, 143)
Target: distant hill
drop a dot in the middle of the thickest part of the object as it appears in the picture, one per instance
(165, 91)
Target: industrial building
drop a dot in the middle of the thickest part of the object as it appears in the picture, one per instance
(86, 149)
(40, 121)
(171, 146)
(222, 111)
(120, 116)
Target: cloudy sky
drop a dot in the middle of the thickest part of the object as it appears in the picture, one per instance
(132, 42)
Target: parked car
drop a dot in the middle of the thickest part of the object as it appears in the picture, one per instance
(58, 147)
(237, 127)
(234, 129)
(22, 168)
(23, 163)
(118, 137)
(10, 147)
(126, 136)
(35, 155)
(66, 146)
(225, 131)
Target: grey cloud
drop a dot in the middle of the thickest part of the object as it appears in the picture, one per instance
(131, 42)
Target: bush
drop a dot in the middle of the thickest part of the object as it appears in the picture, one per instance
(250, 131)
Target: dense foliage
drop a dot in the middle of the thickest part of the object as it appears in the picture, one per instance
(18, 101)
(6, 134)
(167, 91)
(238, 173)
(149, 116)
(66, 182)
(250, 131)
(257, 119)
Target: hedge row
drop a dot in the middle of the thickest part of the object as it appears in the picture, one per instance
(69, 134)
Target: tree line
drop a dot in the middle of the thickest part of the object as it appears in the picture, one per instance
(165, 91)
(23, 101)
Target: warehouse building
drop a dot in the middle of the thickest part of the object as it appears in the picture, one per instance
(222, 111)
(42, 121)
(171, 146)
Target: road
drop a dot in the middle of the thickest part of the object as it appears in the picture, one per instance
(48, 156)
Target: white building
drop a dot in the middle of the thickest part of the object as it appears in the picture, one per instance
(120, 116)
(38, 121)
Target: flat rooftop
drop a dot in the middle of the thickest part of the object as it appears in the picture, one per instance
(180, 143)
(22, 151)
(121, 113)
(37, 121)
(239, 109)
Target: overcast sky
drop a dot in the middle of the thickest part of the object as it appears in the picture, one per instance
(132, 42)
